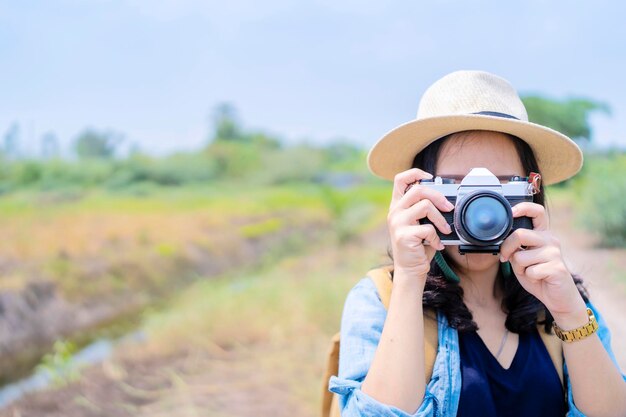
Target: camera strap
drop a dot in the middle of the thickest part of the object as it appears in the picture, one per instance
(450, 275)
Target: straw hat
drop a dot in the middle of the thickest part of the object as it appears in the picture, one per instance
(473, 100)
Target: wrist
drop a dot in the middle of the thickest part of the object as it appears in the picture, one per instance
(580, 332)
(572, 319)
(408, 279)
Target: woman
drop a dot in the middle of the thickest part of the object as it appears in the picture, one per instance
(491, 360)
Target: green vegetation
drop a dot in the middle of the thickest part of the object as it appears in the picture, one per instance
(264, 227)
(601, 197)
(247, 163)
(99, 243)
(58, 363)
(93, 144)
(570, 116)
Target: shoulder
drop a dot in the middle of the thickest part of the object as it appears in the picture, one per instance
(365, 289)
(374, 288)
(363, 311)
(363, 298)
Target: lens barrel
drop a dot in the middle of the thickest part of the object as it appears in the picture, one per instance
(483, 217)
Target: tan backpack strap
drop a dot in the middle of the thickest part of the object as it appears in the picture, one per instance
(382, 280)
(555, 349)
(329, 402)
(384, 285)
(431, 342)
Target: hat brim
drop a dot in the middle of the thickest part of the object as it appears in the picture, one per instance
(558, 157)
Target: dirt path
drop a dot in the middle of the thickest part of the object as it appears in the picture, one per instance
(189, 384)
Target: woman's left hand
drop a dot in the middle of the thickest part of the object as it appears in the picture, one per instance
(540, 268)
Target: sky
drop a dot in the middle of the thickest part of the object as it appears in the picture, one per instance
(308, 70)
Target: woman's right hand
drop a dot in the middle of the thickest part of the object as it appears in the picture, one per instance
(411, 257)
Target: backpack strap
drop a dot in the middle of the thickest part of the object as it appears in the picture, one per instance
(330, 406)
(384, 285)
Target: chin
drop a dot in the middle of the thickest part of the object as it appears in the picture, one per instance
(475, 261)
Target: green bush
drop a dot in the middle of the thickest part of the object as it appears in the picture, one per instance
(259, 160)
(53, 174)
(234, 160)
(61, 173)
(174, 170)
(300, 163)
(58, 364)
(602, 194)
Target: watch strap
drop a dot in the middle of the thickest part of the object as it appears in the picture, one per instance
(578, 333)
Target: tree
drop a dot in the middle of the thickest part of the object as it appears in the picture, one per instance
(341, 150)
(49, 145)
(226, 123)
(263, 140)
(94, 144)
(11, 141)
(135, 149)
(570, 116)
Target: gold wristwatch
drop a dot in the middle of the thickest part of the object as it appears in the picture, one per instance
(578, 333)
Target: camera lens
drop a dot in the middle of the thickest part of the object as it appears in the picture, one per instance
(484, 217)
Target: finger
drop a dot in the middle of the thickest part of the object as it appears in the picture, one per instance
(419, 192)
(416, 239)
(537, 272)
(402, 180)
(518, 270)
(432, 238)
(520, 237)
(426, 209)
(535, 211)
(546, 253)
(526, 258)
(428, 234)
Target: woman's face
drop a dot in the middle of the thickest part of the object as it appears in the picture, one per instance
(464, 151)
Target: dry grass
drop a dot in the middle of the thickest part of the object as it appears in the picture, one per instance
(274, 322)
(99, 244)
(283, 316)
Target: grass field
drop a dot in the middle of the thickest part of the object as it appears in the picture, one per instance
(64, 237)
(73, 262)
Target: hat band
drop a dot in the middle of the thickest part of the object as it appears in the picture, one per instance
(497, 114)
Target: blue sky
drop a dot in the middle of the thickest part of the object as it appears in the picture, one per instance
(305, 70)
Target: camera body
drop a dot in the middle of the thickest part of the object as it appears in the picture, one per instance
(482, 217)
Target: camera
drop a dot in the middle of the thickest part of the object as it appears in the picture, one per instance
(482, 217)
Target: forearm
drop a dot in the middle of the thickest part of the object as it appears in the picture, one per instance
(396, 375)
(597, 386)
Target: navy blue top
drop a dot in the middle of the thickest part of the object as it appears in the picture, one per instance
(529, 387)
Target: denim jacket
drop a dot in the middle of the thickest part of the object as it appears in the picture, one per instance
(361, 327)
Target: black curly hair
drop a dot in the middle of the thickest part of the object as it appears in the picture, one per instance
(523, 309)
